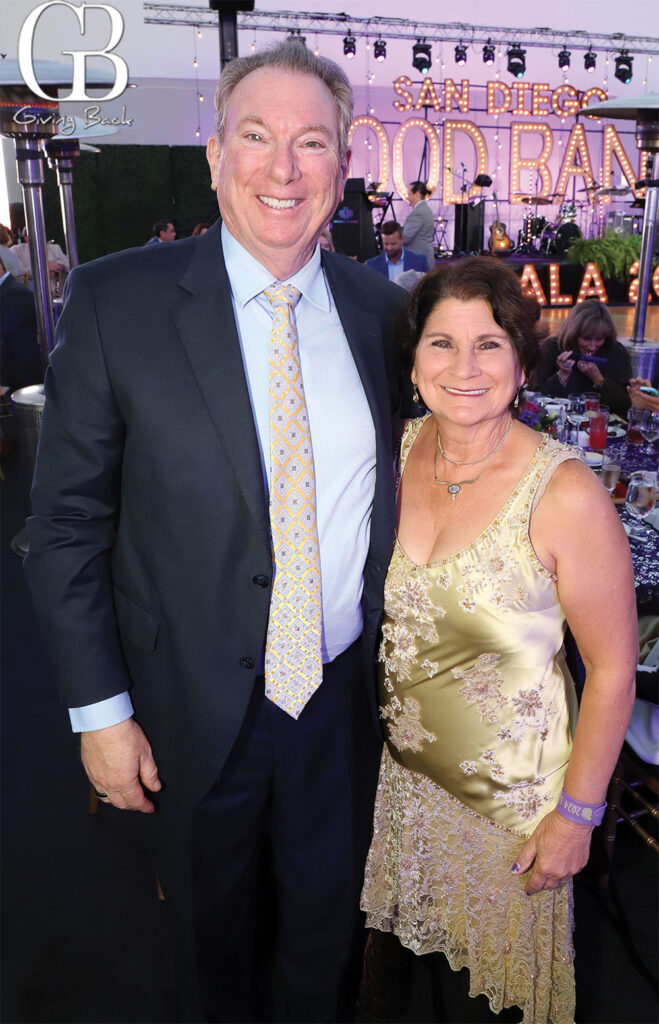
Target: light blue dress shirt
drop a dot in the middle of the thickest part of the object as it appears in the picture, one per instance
(343, 439)
(394, 270)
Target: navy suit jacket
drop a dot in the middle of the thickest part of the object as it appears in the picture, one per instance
(150, 530)
(411, 261)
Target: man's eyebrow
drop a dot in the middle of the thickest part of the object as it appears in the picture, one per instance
(304, 130)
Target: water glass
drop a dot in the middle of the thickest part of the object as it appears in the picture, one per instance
(576, 411)
(640, 500)
(610, 470)
(649, 427)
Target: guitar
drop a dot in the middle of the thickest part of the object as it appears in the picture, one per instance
(499, 240)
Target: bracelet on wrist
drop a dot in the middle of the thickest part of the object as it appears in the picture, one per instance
(582, 814)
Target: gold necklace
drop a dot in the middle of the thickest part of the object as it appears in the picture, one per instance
(455, 488)
(483, 458)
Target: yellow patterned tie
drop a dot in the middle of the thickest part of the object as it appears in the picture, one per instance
(293, 664)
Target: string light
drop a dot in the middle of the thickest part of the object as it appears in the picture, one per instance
(195, 64)
(367, 121)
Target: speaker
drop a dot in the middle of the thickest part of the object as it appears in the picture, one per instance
(469, 228)
(352, 223)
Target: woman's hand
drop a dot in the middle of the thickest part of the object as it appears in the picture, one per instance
(591, 370)
(556, 851)
(639, 399)
(565, 363)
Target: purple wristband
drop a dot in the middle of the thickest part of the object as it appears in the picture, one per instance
(583, 814)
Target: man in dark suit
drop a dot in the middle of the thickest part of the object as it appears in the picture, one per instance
(20, 359)
(394, 259)
(152, 559)
(163, 231)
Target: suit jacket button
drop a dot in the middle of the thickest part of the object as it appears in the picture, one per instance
(247, 662)
(261, 580)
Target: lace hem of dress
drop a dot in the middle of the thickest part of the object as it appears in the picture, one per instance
(439, 877)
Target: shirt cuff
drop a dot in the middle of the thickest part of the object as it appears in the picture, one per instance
(102, 714)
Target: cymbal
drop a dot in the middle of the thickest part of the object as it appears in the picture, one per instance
(613, 191)
(534, 200)
(588, 188)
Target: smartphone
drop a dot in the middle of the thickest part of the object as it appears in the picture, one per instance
(579, 356)
(649, 391)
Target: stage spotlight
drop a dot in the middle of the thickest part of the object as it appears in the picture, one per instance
(590, 61)
(488, 53)
(461, 55)
(422, 56)
(564, 59)
(349, 45)
(516, 61)
(623, 70)
(379, 49)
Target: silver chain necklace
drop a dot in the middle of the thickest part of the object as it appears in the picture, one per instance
(474, 462)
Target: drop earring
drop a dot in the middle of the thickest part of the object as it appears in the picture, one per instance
(415, 394)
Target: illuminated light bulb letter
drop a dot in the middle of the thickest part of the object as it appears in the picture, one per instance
(540, 99)
(521, 89)
(475, 134)
(555, 297)
(611, 145)
(383, 171)
(427, 96)
(494, 107)
(530, 284)
(433, 171)
(402, 84)
(565, 100)
(633, 286)
(599, 94)
(576, 144)
(592, 286)
(461, 96)
(537, 163)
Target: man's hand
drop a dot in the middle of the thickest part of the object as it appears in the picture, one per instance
(118, 761)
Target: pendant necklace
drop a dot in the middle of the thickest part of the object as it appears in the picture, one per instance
(455, 488)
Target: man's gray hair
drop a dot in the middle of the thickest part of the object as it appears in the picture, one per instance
(289, 56)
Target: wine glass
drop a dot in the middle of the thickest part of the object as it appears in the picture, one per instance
(640, 500)
(576, 411)
(649, 428)
(610, 470)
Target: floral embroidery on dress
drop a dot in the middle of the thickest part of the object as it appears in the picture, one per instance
(532, 712)
(406, 598)
(469, 767)
(402, 654)
(524, 797)
(430, 667)
(483, 686)
(404, 726)
(468, 605)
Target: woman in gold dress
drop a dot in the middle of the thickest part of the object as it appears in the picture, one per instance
(489, 785)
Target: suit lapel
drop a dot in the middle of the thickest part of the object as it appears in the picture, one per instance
(206, 324)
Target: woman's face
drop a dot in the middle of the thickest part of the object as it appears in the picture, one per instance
(589, 346)
(465, 367)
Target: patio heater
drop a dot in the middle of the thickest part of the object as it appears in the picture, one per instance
(645, 111)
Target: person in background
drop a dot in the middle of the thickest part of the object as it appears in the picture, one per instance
(488, 793)
(20, 357)
(9, 259)
(419, 228)
(394, 258)
(163, 231)
(588, 330)
(641, 399)
(210, 588)
(200, 229)
(58, 262)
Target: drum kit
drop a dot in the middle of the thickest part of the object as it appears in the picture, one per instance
(542, 237)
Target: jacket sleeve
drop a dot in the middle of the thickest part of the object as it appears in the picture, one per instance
(545, 377)
(75, 499)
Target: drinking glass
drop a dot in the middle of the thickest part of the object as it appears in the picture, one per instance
(610, 471)
(640, 500)
(592, 402)
(576, 410)
(649, 427)
(634, 417)
(598, 423)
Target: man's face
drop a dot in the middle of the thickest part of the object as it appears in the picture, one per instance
(393, 246)
(278, 173)
(169, 234)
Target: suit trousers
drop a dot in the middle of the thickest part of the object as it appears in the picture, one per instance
(278, 851)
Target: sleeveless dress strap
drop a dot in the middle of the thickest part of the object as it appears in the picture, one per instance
(556, 454)
(408, 438)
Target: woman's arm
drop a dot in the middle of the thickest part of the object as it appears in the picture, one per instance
(577, 532)
(553, 371)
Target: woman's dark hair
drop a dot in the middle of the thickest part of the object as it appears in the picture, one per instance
(476, 277)
(590, 319)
